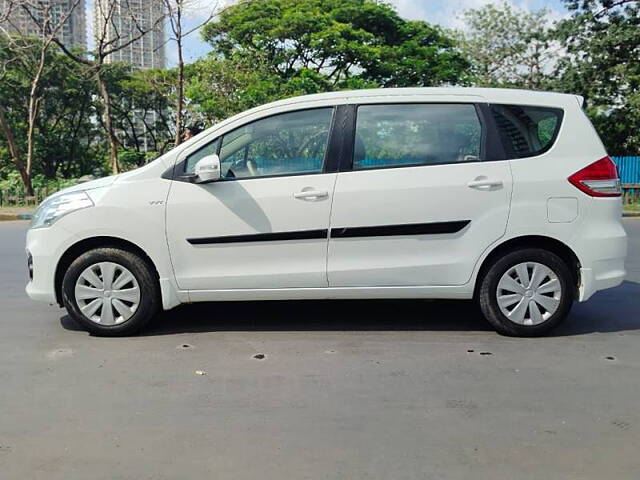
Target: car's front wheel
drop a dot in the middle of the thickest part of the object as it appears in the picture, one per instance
(110, 292)
(526, 292)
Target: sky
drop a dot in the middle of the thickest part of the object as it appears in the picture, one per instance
(442, 12)
(447, 12)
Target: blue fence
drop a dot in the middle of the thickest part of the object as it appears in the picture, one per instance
(628, 168)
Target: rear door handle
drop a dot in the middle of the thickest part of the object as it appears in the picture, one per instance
(311, 194)
(485, 183)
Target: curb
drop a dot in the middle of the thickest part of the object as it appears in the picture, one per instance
(14, 217)
(631, 214)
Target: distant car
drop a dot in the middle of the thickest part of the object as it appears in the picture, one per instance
(504, 196)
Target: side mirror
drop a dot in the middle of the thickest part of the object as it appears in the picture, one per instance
(207, 169)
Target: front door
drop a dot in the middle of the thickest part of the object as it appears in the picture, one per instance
(418, 206)
(264, 224)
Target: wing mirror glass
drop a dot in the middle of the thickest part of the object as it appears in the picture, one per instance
(208, 169)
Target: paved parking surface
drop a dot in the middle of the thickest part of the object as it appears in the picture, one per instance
(346, 390)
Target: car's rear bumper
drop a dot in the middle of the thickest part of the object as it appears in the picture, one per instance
(605, 274)
(601, 249)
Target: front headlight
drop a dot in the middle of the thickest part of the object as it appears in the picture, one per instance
(58, 206)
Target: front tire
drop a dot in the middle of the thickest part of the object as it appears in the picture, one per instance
(526, 293)
(110, 292)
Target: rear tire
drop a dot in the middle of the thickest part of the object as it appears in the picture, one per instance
(111, 292)
(526, 292)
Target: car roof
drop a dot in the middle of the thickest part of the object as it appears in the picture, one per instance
(491, 95)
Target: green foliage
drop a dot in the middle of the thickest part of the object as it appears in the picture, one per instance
(69, 141)
(265, 50)
(66, 140)
(13, 182)
(602, 38)
(221, 87)
(338, 40)
(594, 53)
(142, 106)
(130, 158)
(508, 47)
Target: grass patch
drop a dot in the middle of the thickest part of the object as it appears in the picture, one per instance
(632, 207)
(17, 210)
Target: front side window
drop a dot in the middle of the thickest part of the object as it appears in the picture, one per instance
(527, 131)
(208, 149)
(416, 134)
(285, 144)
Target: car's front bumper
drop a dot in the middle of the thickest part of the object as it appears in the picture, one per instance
(45, 246)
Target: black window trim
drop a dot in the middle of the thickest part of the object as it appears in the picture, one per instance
(328, 166)
(494, 147)
(487, 144)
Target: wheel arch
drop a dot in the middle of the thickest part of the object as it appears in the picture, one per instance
(553, 245)
(82, 246)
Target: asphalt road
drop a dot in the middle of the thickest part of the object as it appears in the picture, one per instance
(347, 390)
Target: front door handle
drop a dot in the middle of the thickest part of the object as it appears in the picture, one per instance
(311, 194)
(485, 183)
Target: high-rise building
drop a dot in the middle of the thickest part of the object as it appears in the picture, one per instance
(119, 21)
(122, 20)
(73, 32)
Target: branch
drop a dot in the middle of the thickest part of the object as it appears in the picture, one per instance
(73, 56)
(135, 38)
(4, 15)
(45, 27)
(619, 3)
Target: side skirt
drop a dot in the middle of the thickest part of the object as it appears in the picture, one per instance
(463, 292)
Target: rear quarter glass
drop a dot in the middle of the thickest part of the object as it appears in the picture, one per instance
(525, 130)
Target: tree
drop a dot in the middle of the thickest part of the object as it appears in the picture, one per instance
(339, 40)
(6, 8)
(221, 87)
(69, 143)
(142, 104)
(109, 39)
(65, 139)
(32, 52)
(177, 10)
(509, 47)
(602, 39)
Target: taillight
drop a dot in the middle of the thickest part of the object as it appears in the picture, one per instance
(600, 179)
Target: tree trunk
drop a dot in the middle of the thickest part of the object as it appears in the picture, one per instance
(108, 124)
(180, 93)
(15, 153)
(34, 105)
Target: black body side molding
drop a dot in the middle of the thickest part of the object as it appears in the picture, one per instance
(439, 228)
(398, 230)
(261, 237)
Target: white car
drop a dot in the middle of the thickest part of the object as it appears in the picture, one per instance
(504, 196)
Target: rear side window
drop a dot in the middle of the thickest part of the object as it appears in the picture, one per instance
(416, 134)
(527, 131)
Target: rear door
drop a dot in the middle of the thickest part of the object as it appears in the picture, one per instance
(417, 202)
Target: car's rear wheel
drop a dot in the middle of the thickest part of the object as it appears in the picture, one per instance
(526, 292)
(110, 292)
